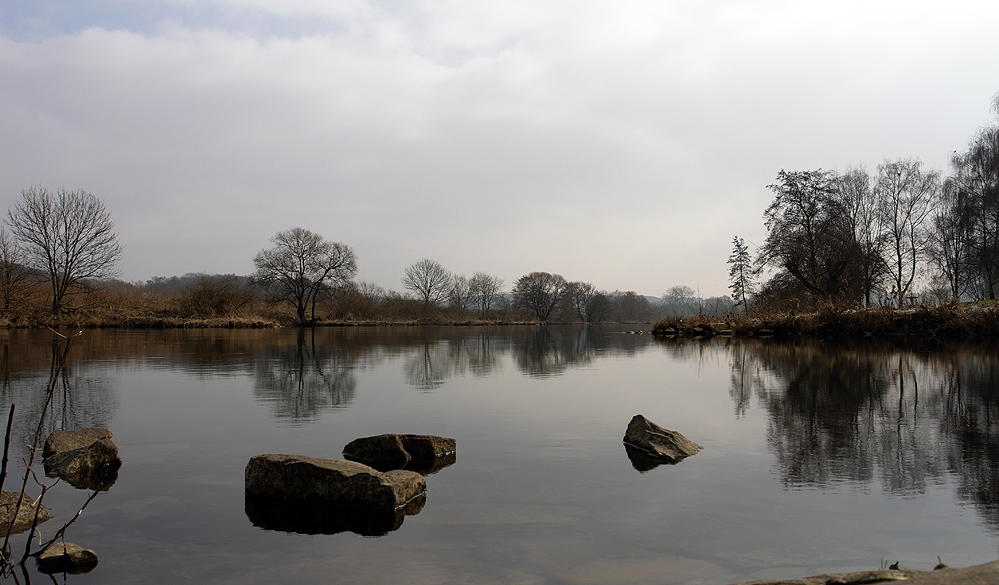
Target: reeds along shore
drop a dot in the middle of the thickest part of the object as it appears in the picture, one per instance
(128, 306)
(953, 321)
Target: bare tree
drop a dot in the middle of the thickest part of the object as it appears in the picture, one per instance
(678, 301)
(485, 289)
(13, 272)
(951, 239)
(540, 292)
(591, 306)
(976, 179)
(809, 237)
(68, 235)
(300, 265)
(631, 307)
(459, 293)
(906, 195)
(428, 280)
(860, 205)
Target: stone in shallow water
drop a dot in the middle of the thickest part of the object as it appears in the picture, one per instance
(67, 557)
(331, 481)
(659, 444)
(85, 458)
(21, 517)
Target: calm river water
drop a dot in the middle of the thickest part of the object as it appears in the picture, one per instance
(817, 457)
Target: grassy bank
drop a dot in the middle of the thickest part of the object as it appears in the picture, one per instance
(958, 321)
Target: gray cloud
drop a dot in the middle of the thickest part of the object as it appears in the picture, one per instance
(621, 144)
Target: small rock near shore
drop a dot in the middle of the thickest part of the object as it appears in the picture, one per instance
(20, 517)
(66, 557)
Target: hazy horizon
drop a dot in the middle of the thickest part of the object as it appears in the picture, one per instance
(619, 144)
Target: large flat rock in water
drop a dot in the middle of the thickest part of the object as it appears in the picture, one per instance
(331, 481)
(987, 574)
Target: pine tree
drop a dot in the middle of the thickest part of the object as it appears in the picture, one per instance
(741, 273)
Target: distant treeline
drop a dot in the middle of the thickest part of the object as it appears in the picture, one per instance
(234, 300)
(230, 299)
(59, 251)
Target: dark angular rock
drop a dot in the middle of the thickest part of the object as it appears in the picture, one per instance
(658, 443)
(383, 452)
(21, 517)
(428, 446)
(331, 481)
(86, 458)
(66, 557)
(422, 453)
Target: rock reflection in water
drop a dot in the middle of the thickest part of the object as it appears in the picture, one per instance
(642, 461)
(286, 515)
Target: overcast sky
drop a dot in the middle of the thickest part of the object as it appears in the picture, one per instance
(621, 143)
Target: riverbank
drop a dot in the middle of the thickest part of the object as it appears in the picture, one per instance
(959, 321)
(985, 574)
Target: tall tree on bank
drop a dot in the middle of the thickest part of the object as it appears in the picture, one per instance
(68, 235)
(741, 273)
(976, 179)
(428, 280)
(906, 195)
(951, 238)
(861, 210)
(808, 238)
(300, 266)
(540, 292)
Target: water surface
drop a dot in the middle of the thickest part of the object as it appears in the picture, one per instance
(817, 457)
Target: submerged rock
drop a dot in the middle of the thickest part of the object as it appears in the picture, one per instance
(331, 481)
(86, 458)
(422, 453)
(657, 444)
(66, 557)
(16, 518)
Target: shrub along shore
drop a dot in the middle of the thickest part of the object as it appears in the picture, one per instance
(952, 321)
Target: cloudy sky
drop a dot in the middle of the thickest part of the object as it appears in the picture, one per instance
(622, 143)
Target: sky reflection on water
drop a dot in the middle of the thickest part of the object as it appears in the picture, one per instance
(817, 457)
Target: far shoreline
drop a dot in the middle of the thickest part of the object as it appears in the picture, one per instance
(956, 321)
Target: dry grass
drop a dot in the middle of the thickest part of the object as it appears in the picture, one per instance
(953, 321)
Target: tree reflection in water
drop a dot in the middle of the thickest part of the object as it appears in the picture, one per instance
(83, 395)
(303, 380)
(910, 416)
(552, 351)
